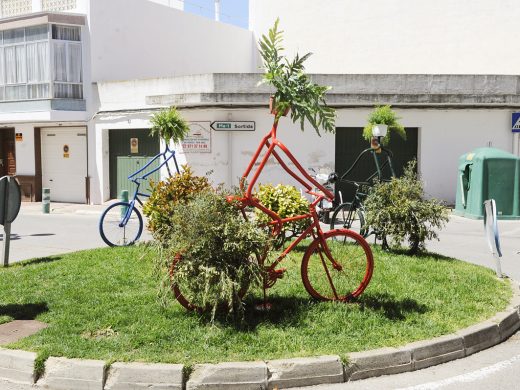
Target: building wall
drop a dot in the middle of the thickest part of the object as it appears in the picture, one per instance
(444, 135)
(396, 36)
(135, 39)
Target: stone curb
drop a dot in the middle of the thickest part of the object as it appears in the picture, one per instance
(135, 376)
(62, 373)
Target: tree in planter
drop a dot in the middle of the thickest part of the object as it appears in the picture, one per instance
(384, 115)
(169, 125)
(294, 90)
(400, 211)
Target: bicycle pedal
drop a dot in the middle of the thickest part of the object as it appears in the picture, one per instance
(279, 273)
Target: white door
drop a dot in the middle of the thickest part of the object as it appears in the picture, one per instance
(64, 163)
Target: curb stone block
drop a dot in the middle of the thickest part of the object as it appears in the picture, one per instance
(508, 323)
(378, 362)
(479, 337)
(439, 350)
(222, 376)
(285, 373)
(77, 374)
(17, 366)
(136, 376)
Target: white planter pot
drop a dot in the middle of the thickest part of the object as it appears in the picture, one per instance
(379, 130)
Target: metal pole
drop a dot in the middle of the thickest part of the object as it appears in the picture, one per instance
(7, 227)
(217, 10)
(46, 200)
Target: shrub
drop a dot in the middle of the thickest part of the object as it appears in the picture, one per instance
(216, 248)
(398, 209)
(286, 201)
(384, 115)
(165, 197)
(169, 125)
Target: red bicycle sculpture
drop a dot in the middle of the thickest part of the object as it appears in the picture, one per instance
(337, 265)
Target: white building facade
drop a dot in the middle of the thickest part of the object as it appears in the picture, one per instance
(448, 69)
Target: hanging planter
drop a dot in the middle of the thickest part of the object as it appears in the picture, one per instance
(380, 123)
(273, 109)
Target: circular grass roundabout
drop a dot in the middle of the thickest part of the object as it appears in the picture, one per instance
(104, 304)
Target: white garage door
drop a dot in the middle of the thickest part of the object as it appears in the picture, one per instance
(64, 163)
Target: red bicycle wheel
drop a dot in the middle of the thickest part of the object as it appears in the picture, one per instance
(337, 267)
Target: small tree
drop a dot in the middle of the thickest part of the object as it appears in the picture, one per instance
(398, 209)
(384, 115)
(169, 125)
(293, 88)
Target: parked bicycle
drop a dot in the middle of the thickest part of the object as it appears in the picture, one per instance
(329, 271)
(121, 224)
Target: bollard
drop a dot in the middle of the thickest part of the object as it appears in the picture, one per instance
(124, 198)
(46, 200)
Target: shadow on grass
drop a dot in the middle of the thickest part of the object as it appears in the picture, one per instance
(393, 309)
(284, 311)
(26, 311)
(39, 260)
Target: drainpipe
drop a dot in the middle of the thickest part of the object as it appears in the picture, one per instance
(217, 10)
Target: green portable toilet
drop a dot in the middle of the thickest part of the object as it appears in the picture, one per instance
(488, 173)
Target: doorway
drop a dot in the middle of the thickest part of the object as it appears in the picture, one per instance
(350, 143)
(130, 150)
(7, 153)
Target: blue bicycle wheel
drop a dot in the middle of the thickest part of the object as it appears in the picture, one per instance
(118, 227)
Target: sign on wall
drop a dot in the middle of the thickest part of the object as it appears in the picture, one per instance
(233, 126)
(198, 139)
(515, 122)
(66, 151)
(134, 145)
(19, 137)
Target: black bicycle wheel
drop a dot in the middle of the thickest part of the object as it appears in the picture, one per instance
(345, 218)
(114, 231)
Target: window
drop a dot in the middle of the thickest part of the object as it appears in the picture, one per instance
(67, 75)
(41, 62)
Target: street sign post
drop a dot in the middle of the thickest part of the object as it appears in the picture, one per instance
(233, 126)
(491, 228)
(10, 201)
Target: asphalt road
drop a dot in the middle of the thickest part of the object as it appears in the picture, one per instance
(68, 228)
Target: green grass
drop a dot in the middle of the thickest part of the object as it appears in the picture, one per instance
(103, 304)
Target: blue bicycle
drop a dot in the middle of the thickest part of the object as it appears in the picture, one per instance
(121, 224)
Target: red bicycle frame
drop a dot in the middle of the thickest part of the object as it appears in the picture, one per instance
(270, 141)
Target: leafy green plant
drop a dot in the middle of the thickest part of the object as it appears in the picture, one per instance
(286, 201)
(400, 211)
(169, 125)
(216, 250)
(293, 88)
(384, 115)
(165, 197)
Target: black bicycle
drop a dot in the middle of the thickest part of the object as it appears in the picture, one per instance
(351, 214)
